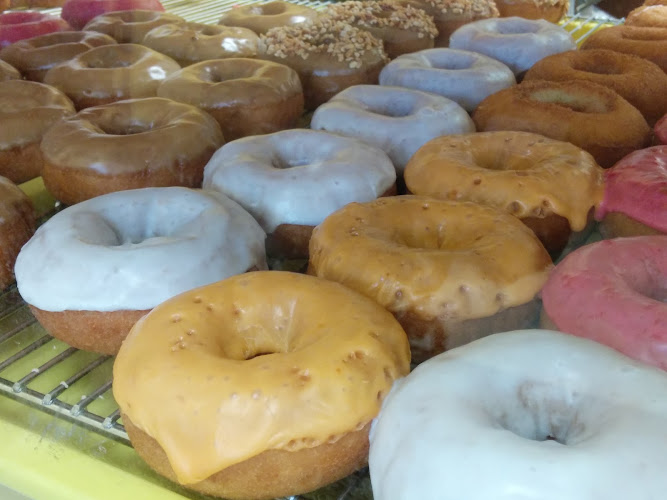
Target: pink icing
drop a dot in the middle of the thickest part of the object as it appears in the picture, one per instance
(79, 12)
(19, 25)
(661, 130)
(637, 187)
(614, 292)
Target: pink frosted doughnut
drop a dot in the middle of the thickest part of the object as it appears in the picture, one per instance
(661, 130)
(78, 12)
(614, 292)
(19, 25)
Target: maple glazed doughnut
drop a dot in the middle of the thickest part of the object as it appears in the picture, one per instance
(130, 144)
(111, 73)
(291, 180)
(654, 16)
(276, 377)
(19, 25)
(93, 269)
(551, 10)
(552, 186)
(613, 292)
(524, 414)
(17, 225)
(35, 56)
(130, 26)
(328, 55)
(450, 272)
(245, 96)
(8, 72)
(588, 115)
(637, 80)
(78, 12)
(261, 17)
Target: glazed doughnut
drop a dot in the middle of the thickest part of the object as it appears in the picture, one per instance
(450, 272)
(395, 119)
(78, 12)
(131, 144)
(261, 17)
(15, 26)
(465, 77)
(27, 111)
(111, 73)
(328, 55)
(525, 414)
(291, 180)
(17, 225)
(635, 201)
(92, 270)
(613, 292)
(654, 16)
(449, 15)
(551, 10)
(279, 401)
(35, 56)
(402, 28)
(519, 43)
(660, 130)
(588, 115)
(648, 43)
(638, 81)
(130, 26)
(552, 186)
(245, 96)
(8, 72)
(189, 43)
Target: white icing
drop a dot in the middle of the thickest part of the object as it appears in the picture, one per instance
(472, 424)
(462, 76)
(517, 42)
(395, 119)
(298, 176)
(132, 250)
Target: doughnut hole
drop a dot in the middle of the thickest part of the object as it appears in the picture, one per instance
(118, 56)
(620, 225)
(268, 9)
(607, 67)
(580, 103)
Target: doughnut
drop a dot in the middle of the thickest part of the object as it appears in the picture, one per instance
(449, 271)
(524, 414)
(27, 111)
(397, 120)
(189, 43)
(517, 42)
(648, 43)
(654, 16)
(151, 142)
(660, 130)
(261, 17)
(552, 186)
(8, 72)
(465, 77)
(613, 292)
(245, 96)
(15, 26)
(78, 12)
(619, 8)
(637, 80)
(93, 269)
(449, 15)
(551, 10)
(291, 180)
(402, 28)
(588, 115)
(111, 73)
(17, 225)
(283, 374)
(130, 26)
(635, 195)
(328, 55)
(35, 56)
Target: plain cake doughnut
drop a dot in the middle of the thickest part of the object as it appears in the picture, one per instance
(653, 16)
(17, 225)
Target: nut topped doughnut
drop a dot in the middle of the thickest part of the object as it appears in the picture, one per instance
(283, 374)
(127, 145)
(130, 26)
(189, 43)
(19, 25)
(78, 12)
(8, 72)
(551, 10)
(35, 56)
(245, 96)
(261, 17)
(111, 73)
(648, 15)
(17, 225)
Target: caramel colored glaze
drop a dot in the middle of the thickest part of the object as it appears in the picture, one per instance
(654, 16)
(619, 225)
(245, 96)
(17, 225)
(280, 472)
(35, 56)
(261, 17)
(551, 10)
(586, 114)
(261, 361)
(111, 73)
(8, 72)
(130, 26)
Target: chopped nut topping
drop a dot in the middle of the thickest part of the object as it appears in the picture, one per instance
(473, 8)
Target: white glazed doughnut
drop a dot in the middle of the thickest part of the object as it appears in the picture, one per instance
(465, 77)
(517, 42)
(524, 415)
(397, 120)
